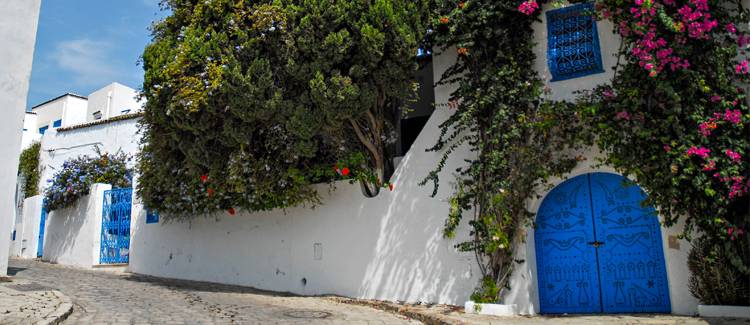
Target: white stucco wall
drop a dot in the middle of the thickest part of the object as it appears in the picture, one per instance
(389, 247)
(27, 235)
(18, 23)
(30, 130)
(72, 235)
(71, 110)
(59, 146)
(112, 100)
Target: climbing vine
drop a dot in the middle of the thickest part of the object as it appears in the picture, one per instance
(28, 168)
(520, 140)
(674, 118)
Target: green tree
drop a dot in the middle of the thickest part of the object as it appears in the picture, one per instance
(250, 102)
(28, 168)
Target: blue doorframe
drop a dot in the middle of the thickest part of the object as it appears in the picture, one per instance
(42, 222)
(598, 250)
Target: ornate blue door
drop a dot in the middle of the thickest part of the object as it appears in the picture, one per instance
(598, 250)
(115, 237)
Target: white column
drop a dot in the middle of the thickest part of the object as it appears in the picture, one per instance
(18, 23)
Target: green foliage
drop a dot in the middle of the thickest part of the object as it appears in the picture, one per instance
(28, 168)
(520, 139)
(486, 293)
(712, 281)
(684, 133)
(76, 176)
(264, 97)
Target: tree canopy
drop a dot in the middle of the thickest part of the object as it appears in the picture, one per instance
(251, 102)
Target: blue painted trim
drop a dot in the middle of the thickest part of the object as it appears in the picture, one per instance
(42, 223)
(43, 129)
(57, 124)
(152, 216)
(583, 11)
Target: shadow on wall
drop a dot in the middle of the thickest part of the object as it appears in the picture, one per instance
(70, 233)
(389, 247)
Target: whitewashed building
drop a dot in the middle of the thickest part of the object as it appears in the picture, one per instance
(391, 247)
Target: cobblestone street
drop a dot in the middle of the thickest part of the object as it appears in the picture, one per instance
(107, 298)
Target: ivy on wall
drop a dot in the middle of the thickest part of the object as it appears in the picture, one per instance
(29, 170)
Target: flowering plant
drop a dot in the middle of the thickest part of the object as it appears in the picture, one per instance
(683, 85)
(76, 176)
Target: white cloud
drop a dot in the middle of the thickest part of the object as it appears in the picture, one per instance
(88, 61)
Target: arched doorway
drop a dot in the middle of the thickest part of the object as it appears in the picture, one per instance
(598, 250)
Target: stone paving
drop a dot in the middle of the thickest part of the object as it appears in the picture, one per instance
(100, 297)
(25, 302)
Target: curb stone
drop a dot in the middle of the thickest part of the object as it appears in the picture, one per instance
(401, 309)
(64, 309)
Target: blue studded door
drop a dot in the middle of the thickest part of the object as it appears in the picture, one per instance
(598, 250)
(115, 236)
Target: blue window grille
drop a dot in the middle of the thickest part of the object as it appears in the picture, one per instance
(43, 129)
(152, 216)
(13, 236)
(57, 124)
(115, 236)
(573, 42)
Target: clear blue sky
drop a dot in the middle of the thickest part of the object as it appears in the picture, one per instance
(83, 45)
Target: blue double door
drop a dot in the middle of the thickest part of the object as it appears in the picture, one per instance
(598, 250)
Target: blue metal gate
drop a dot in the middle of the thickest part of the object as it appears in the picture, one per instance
(598, 250)
(115, 237)
(42, 222)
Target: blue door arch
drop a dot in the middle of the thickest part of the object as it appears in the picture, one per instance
(598, 250)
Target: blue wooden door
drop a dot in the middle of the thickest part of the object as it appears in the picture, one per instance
(631, 258)
(566, 266)
(598, 250)
(42, 222)
(115, 236)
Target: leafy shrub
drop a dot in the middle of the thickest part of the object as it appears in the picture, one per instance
(28, 168)
(715, 280)
(248, 103)
(76, 176)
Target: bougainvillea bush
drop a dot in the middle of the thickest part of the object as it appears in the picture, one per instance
(251, 102)
(676, 117)
(74, 179)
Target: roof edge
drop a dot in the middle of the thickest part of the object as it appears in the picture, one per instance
(58, 97)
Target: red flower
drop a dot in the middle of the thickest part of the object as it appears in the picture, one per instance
(231, 211)
(204, 178)
(463, 51)
(210, 192)
(390, 186)
(444, 20)
(345, 171)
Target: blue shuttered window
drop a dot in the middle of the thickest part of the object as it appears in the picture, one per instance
(43, 129)
(573, 42)
(57, 124)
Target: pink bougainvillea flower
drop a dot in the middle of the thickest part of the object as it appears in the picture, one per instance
(623, 115)
(706, 127)
(730, 28)
(730, 230)
(608, 93)
(204, 178)
(231, 211)
(667, 148)
(710, 166)
(345, 171)
(735, 156)
(715, 99)
(742, 67)
(733, 116)
(700, 152)
(528, 7)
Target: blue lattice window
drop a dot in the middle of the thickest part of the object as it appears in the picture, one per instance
(573, 42)
(152, 216)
